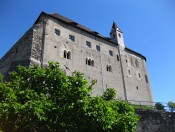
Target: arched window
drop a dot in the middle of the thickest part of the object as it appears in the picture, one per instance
(92, 62)
(69, 55)
(89, 62)
(109, 68)
(86, 61)
(65, 54)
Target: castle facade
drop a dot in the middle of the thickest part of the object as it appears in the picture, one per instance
(56, 38)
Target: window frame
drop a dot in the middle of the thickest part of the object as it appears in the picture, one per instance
(57, 32)
(71, 37)
(98, 48)
(110, 52)
(108, 68)
(90, 62)
(88, 44)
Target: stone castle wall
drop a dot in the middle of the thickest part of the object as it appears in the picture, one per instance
(156, 121)
(18, 54)
(40, 45)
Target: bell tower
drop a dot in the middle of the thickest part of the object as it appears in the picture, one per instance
(116, 35)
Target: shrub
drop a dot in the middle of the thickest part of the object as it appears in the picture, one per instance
(45, 99)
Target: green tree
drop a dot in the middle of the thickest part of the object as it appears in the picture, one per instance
(159, 106)
(171, 106)
(109, 94)
(45, 99)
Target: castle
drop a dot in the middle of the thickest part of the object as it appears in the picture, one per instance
(56, 38)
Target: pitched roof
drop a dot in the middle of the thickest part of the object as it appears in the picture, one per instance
(77, 25)
(74, 24)
(114, 26)
(67, 20)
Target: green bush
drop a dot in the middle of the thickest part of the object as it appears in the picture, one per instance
(45, 99)
(159, 106)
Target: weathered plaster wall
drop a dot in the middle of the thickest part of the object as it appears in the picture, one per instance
(156, 121)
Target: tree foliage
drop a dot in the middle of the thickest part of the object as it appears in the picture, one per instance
(171, 106)
(45, 99)
(159, 106)
(109, 94)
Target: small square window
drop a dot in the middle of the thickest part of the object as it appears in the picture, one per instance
(88, 44)
(98, 48)
(57, 32)
(72, 38)
(110, 52)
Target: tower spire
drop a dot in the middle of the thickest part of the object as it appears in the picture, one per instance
(117, 35)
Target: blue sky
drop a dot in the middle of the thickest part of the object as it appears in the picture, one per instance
(148, 27)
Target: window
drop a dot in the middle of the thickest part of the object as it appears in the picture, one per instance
(57, 32)
(67, 54)
(139, 75)
(137, 87)
(88, 44)
(119, 35)
(146, 79)
(129, 72)
(89, 62)
(72, 38)
(92, 63)
(98, 48)
(126, 61)
(136, 63)
(108, 68)
(117, 57)
(110, 52)
(86, 61)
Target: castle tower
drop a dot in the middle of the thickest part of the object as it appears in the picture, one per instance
(116, 35)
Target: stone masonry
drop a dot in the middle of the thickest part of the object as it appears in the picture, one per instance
(107, 60)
